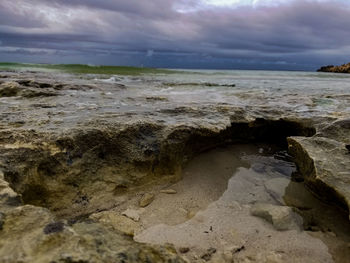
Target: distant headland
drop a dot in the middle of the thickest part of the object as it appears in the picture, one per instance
(336, 69)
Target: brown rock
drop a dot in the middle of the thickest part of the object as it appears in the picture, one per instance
(146, 199)
(184, 250)
(168, 191)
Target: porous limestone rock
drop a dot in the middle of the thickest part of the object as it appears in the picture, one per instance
(119, 222)
(324, 162)
(31, 234)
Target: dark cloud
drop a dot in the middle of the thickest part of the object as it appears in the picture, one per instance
(295, 34)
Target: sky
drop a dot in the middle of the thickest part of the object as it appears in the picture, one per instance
(217, 34)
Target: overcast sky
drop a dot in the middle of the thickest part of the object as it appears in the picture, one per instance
(246, 34)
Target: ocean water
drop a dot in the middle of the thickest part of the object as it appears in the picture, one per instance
(306, 92)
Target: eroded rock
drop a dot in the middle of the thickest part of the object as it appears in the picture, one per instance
(324, 162)
(121, 223)
(32, 235)
(132, 214)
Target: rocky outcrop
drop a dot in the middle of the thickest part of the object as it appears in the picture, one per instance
(324, 162)
(33, 234)
(28, 90)
(93, 169)
(336, 69)
(71, 150)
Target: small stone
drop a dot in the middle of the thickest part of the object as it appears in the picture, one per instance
(237, 249)
(132, 214)
(55, 227)
(118, 222)
(184, 250)
(281, 217)
(168, 191)
(207, 256)
(191, 214)
(146, 199)
(2, 219)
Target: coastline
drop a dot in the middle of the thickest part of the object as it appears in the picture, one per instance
(74, 147)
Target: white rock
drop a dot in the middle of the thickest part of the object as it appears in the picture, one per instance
(168, 191)
(132, 214)
(281, 217)
(146, 199)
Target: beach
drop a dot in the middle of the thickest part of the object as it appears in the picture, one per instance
(174, 165)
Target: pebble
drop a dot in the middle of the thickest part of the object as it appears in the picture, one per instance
(191, 214)
(132, 214)
(146, 199)
(207, 256)
(168, 191)
(184, 250)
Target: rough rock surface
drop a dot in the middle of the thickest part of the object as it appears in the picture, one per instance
(72, 146)
(31, 234)
(324, 162)
(119, 222)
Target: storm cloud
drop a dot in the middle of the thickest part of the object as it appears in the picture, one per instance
(285, 34)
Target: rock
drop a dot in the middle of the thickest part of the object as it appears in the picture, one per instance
(324, 162)
(118, 222)
(168, 191)
(146, 199)
(54, 227)
(191, 214)
(207, 256)
(276, 188)
(287, 192)
(281, 217)
(335, 69)
(24, 239)
(8, 197)
(79, 158)
(9, 89)
(184, 250)
(132, 214)
(12, 88)
(348, 147)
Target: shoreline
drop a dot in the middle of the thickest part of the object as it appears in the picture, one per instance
(71, 148)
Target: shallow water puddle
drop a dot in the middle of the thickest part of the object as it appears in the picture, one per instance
(211, 212)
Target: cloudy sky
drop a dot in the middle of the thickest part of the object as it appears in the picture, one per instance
(245, 34)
